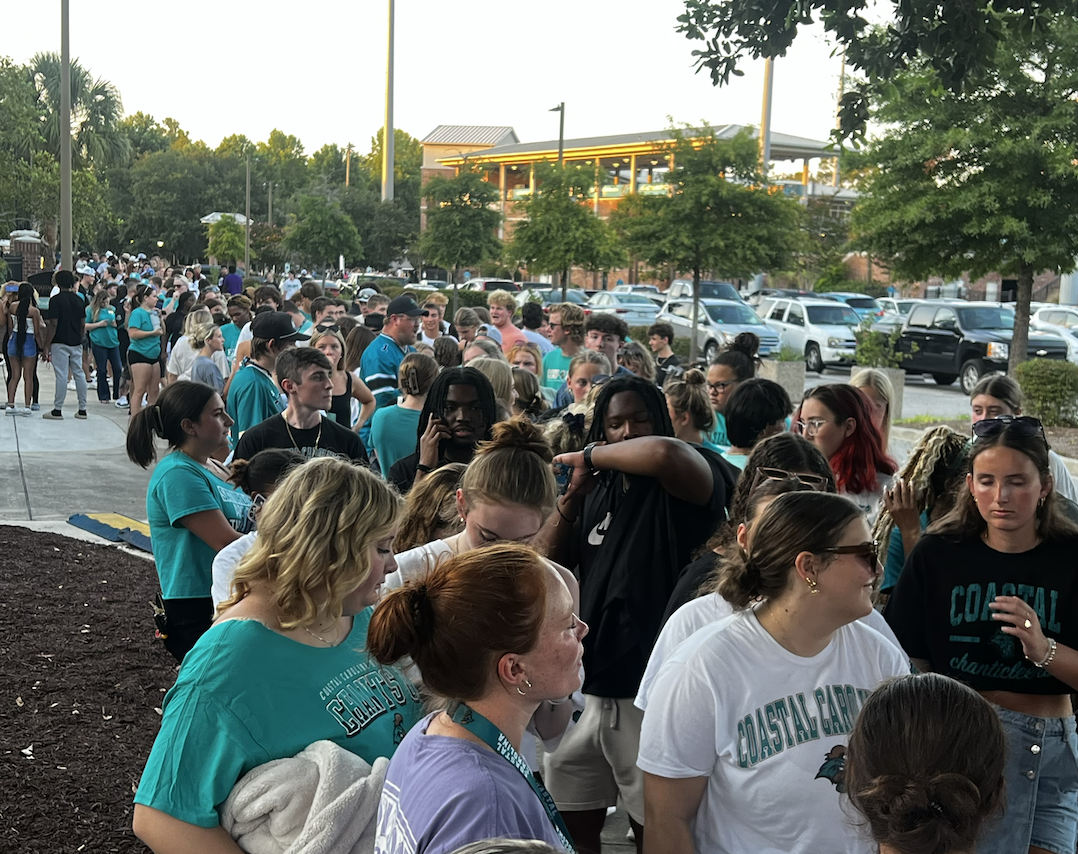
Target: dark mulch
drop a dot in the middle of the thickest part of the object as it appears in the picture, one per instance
(1063, 440)
(81, 679)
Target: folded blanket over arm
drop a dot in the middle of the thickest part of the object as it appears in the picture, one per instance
(324, 800)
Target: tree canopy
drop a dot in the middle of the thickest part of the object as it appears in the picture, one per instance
(461, 223)
(982, 181)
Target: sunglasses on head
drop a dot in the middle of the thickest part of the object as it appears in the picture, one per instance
(333, 327)
(1021, 425)
(869, 551)
(815, 482)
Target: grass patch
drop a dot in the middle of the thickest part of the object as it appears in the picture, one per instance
(915, 420)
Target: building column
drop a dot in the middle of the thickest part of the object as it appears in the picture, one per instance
(531, 179)
(598, 187)
(805, 179)
(502, 193)
(632, 173)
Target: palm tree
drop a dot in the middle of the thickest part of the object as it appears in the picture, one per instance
(96, 110)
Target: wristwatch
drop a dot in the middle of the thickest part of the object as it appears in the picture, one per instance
(588, 464)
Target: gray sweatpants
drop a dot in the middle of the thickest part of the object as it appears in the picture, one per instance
(65, 358)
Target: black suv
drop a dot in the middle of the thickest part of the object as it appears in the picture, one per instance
(961, 340)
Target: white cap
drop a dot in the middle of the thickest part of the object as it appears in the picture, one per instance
(142, 256)
(84, 270)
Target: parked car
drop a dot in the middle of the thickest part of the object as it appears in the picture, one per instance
(754, 298)
(821, 329)
(491, 285)
(634, 309)
(964, 341)
(719, 321)
(864, 305)
(1062, 320)
(646, 290)
(900, 307)
(682, 289)
(552, 296)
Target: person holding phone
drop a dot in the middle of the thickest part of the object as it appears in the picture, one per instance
(458, 413)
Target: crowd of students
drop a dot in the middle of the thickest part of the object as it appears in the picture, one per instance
(612, 581)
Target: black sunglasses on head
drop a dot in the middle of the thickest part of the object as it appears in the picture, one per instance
(1021, 425)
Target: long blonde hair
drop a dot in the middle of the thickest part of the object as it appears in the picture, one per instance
(878, 381)
(319, 334)
(100, 300)
(196, 318)
(314, 538)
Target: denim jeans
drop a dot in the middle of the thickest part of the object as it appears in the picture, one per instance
(66, 357)
(105, 356)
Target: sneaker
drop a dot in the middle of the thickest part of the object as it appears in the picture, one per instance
(25, 412)
(10, 409)
(35, 407)
(81, 415)
(71, 385)
(122, 402)
(55, 415)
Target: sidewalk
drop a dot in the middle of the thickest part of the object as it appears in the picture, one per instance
(54, 469)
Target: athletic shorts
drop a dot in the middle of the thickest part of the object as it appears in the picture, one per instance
(134, 358)
(596, 760)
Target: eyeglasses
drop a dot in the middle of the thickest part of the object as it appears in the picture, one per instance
(555, 326)
(815, 482)
(721, 385)
(810, 424)
(1021, 425)
(869, 551)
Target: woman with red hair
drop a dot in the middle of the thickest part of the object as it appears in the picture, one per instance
(837, 420)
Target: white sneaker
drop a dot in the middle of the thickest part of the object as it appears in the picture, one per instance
(71, 385)
(10, 409)
(25, 412)
(122, 402)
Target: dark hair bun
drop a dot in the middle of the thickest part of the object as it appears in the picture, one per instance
(517, 433)
(747, 343)
(932, 815)
(694, 376)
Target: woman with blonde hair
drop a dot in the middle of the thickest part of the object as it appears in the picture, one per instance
(430, 509)
(283, 666)
(877, 389)
(529, 399)
(346, 387)
(637, 361)
(526, 355)
(210, 342)
(501, 380)
(393, 427)
(184, 352)
(690, 408)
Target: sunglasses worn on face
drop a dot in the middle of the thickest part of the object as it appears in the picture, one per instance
(869, 551)
(1021, 425)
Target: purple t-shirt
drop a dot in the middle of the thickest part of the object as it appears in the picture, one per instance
(233, 283)
(442, 793)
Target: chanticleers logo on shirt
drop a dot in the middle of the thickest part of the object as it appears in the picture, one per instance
(834, 767)
(598, 533)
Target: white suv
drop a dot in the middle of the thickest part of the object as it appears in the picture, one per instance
(821, 329)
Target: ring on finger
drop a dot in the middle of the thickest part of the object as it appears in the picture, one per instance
(1028, 624)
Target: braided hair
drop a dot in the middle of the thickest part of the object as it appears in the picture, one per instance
(439, 392)
(654, 403)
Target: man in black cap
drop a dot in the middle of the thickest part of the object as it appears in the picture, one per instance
(382, 358)
(253, 396)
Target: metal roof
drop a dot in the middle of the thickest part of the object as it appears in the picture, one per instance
(783, 146)
(471, 135)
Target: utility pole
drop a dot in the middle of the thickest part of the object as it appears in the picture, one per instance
(561, 130)
(66, 241)
(247, 224)
(348, 165)
(838, 118)
(765, 118)
(387, 131)
(269, 215)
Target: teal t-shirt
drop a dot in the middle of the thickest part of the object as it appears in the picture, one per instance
(104, 336)
(149, 347)
(247, 695)
(180, 487)
(231, 333)
(718, 435)
(393, 434)
(252, 398)
(555, 368)
(738, 460)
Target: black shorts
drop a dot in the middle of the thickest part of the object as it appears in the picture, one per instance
(134, 358)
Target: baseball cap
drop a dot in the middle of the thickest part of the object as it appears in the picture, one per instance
(85, 270)
(403, 305)
(366, 294)
(276, 325)
(142, 256)
(488, 331)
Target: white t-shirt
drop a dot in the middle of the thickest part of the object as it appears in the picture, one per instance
(704, 611)
(290, 287)
(182, 358)
(768, 729)
(538, 340)
(423, 337)
(1064, 483)
(245, 334)
(414, 562)
(224, 566)
(869, 502)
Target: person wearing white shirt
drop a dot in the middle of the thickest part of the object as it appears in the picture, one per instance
(744, 738)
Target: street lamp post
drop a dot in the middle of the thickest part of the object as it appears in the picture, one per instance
(561, 130)
(765, 117)
(387, 132)
(66, 241)
(247, 224)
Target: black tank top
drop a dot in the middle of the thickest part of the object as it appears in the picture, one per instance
(341, 408)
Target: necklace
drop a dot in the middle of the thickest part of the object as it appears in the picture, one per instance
(295, 444)
(317, 637)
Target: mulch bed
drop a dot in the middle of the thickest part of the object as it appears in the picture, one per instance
(1063, 440)
(83, 680)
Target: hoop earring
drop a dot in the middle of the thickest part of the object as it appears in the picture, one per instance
(524, 693)
(814, 586)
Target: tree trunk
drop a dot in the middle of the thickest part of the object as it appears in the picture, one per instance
(695, 311)
(564, 285)
(1020, 340)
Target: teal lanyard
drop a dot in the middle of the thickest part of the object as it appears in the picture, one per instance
(483, 729)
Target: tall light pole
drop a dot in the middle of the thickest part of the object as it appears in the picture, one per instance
(561, 130)
(66, 242)
(387, 131)
(765, 118)
(247, 224)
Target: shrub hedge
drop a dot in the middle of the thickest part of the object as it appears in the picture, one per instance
(1050, 389)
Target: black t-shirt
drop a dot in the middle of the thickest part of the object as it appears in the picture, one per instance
(335, 440)
(665, 366)
(68, 309)
(689, 582)
(939, 609)
(633, 543)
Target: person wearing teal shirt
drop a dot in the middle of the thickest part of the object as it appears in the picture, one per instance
(252, 395)
(239, 310)
(105, 344)
(394, 428)
(285, 664)
(192, 509)
(567, 336)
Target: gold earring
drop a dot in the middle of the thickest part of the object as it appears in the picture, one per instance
(814, 587)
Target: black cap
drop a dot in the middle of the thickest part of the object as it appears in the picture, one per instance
(374, 321)
(403, 305)
(276, 325)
